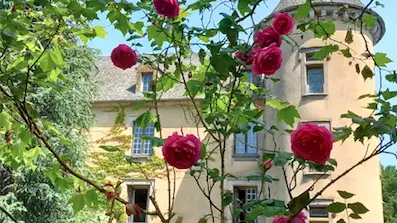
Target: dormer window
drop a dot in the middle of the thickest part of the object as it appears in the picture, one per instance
(147, 78)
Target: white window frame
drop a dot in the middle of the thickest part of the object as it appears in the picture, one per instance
(131, 128)
(306, 64)
(231, 184)
(307, 171)
(142, 81)
(246, 144)
(323, 203)
(140, 183)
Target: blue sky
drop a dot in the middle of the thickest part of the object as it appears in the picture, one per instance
(386, 45)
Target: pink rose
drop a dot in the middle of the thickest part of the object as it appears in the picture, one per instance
(267, 37)
(268, 163)
(181, 152)
(300, 218)
(245, 58)
(312, 142)
(169, 8)
(266, 61)
(283, 23)
(123, 57)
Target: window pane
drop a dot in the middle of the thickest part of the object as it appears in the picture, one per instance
(252, 141)
(147, 145)
(318, 212)
(315, 80)
(250, 77)
(146, 81)
(140, 198)
(240, 143)
(138, 132)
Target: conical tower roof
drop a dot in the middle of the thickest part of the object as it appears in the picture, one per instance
(287, 5)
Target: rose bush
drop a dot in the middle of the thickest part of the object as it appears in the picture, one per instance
(312, 142)
(300, 218)
(181, 152)
(123, 56)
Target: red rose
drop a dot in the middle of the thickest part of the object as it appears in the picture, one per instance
(123, 57)
(300, 218)
(283, 23)
(267, 37)
(169, 8)
(181, 152)
(312, 142)
(245, 58)
(266, 61)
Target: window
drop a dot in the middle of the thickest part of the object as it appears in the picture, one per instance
(243, 195)
(138, 195)
(246, 144)
(318, 211)
(141, 146)
(250, 77)
(314, 74)
(147, 78)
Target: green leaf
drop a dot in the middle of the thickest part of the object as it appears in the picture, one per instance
(357, 208)
(281, 158)
(77, 202)
(100, 31)
(139, 105)
(255, 213)
(341, 221)
(387, 94)
(32, 154)
(253, 177)
(369, 20)
(225, 25)
(183, 13)
(355, 216)
(91, 198)
(349, 36)
(381, 59)
(303, 10)
(325, 51)
(145, 119)
(299, 202)
(367, 72)
(344, 194)
(201, 56)
(110, 148)
(65, 141)
(203, 220)
(288, 115)
(203, 151)
(391, 78)
(227, 198)
(336, 207)
(156, 142)
(357, 66)
(277, 104)
(194, 86)
(179, 219)
(346, 53)
(243, 6)
(377, 3)
(324, 29)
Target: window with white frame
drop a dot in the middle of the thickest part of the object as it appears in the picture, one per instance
(147, 78)
(138, 195)
(242, 196)
(246, 144)
(142, 147)
(318, 211)
(314, 73)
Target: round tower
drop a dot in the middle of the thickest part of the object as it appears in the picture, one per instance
(322, 90)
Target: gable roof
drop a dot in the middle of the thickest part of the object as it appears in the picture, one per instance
(117, 85)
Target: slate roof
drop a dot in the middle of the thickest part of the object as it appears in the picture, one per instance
(117, 85)
(287, 5)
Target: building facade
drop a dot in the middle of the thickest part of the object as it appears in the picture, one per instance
(321, 91)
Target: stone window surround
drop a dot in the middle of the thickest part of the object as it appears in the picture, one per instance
(230, 184)
(144, 69)
(304, 64)
(130, 120)
(320, 202)
(141, 183)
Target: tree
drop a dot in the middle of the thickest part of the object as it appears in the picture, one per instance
(389, 190)
(41, 135)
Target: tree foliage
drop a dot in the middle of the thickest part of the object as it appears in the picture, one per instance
(389, 193)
